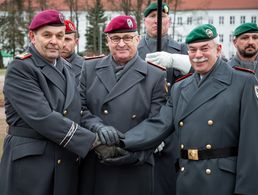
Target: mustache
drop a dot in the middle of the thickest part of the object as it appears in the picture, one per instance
(203, 59)
(250, 46)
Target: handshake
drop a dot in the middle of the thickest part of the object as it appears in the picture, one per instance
(106, 146)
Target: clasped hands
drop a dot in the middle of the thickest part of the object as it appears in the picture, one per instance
(106, 146)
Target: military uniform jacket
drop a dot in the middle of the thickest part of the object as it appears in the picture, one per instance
(76, 61)
(137, 95)
(42, 156)
(235, 61)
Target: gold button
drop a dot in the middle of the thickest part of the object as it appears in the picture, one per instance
(134, 116)
(105, 111)
(65, 112)
(208, 146)
(182, 146)
(210, 122)
(182, 169)
(208, 171)
(181, 123)
(59, 161)
(81, 112)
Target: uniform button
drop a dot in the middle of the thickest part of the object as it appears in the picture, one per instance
(208, 146)
(208, 171)
(134, 116)
(210, 122)
(168, 84)
(182, 169)
(182, 146)
(77, 159)
(59, 161)
(105, 111)
(181, 123)
(65, 112)
(81, 112)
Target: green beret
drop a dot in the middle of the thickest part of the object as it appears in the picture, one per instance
(244, 28)
(154, 6)
(201, 33)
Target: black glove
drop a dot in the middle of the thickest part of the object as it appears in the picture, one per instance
(107, 135)
(104, 151)
(128, 158)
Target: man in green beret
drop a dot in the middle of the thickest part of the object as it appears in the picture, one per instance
(214, 113)
(165, 177)
(246, 42)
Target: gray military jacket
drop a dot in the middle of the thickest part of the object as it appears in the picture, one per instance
(45, 141)
(219, 112)
(76, 61)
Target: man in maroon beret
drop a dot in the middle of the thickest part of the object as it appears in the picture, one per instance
(43, 109)
(71, 39)
(121, 90)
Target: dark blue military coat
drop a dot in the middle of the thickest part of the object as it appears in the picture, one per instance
(219, 112)
(42, 150)
(165, 179)
(76, 61)
(137, 95)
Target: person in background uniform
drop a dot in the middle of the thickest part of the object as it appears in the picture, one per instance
(44, 141)
(214, 114)
(148, 43)
(246, 42)
(121, 90)
(165, 175)
(68, 52)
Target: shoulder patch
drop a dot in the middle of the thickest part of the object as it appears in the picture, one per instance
(93, 57)
(184, 77)
(157, 65)
(23, 56)
(244, 69)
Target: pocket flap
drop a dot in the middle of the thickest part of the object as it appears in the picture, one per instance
(227, 164)
(28, 149)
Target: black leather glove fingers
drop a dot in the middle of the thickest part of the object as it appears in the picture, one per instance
(109, 135)
(104, 151)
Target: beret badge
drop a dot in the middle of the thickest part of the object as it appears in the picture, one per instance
(209, 33)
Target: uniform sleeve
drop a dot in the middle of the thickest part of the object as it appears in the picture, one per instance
(150, 132)
(247, 159)
(23, 89)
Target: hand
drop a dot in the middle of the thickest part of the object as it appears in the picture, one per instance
(104, 151)
(178, 61)
(107, 135)
(160, 147)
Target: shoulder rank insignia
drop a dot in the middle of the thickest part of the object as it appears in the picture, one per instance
(184, 77)
(23, 56)
(256, 90)
(93, 57)
(157, 65)
(244, 69)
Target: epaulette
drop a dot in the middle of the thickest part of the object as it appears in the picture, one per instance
(184, 77)
(244, 69)
(157, 65)
(93, 57)
(23, 56)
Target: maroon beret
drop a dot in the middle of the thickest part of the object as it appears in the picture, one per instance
(121, 24)
(69, 27)
(47, 17)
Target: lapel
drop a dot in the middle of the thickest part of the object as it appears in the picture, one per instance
(70, 87)
(131, 77)
(105, 72)
(76, 61)
(218, 81)
(48, 70)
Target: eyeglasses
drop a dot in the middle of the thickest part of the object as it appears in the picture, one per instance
(126, 39)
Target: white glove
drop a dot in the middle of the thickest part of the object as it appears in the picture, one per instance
(160, 147)
(178, 61)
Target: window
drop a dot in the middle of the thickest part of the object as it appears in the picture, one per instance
(230, 37)
(232, 20)
(253, 19)
(179, 21)
(221, 20)
(199, 20)
(189, 20)
(210, 20)
(242, 19)
(221, 38)
(179, 38)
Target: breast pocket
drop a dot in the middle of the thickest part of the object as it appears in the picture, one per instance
(28, 149)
